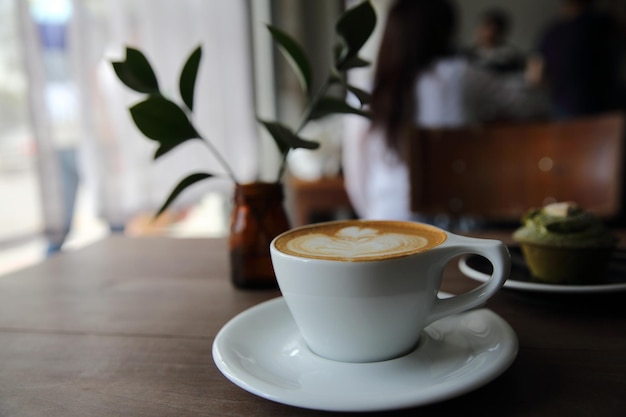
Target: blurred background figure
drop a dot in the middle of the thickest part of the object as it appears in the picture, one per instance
(420, 81)
(62, 116)
(581, 54)
(491, 49)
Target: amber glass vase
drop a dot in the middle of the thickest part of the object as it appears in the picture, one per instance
(258, 216)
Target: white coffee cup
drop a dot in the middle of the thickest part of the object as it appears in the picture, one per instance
(362, 291)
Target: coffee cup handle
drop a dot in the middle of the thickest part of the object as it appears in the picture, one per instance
(495, 251)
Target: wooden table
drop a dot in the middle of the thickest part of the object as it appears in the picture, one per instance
(125, 327)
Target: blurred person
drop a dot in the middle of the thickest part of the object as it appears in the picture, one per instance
(581, 55)
(419, 80)
(60, 97)
(491, 49)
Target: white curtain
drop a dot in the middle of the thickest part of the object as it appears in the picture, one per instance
(114, 159)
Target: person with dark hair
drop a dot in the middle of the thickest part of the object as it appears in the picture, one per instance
(492, 50)
(419, 80)
(581, 58)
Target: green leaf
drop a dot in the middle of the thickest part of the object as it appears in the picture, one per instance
(163, 121)
(337, 78)
(188, 76)
(286, 139)
(330, 105)
(136, 72)
(353, 62)
(165, 148)
(186, 182)
(295, 55)
(355, 27)
(362, 95)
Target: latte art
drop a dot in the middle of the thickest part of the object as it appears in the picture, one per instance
(359, 240)
(353, 242)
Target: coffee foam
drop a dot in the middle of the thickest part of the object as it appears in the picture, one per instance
(359, 240)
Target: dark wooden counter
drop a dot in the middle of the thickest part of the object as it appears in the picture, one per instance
(125, 327)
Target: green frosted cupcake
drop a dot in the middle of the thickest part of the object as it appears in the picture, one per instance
(563, 244)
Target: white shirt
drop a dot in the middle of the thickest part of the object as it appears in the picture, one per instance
(452, 94)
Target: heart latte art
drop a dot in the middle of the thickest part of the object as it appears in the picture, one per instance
(359, 240)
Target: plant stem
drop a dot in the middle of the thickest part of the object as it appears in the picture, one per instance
(283, 166)
(306, 119)
(318, 95)
(220, 159)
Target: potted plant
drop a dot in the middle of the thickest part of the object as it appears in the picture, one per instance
(258, 214)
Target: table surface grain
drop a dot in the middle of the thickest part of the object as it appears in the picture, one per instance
(125, 327)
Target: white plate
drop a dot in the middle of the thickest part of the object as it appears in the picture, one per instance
(261, 351)
(520, 277)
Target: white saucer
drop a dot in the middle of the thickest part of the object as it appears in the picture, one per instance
(520, 278)
(261, 351)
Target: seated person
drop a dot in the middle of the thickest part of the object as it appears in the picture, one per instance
(491, 50)
(419, 81)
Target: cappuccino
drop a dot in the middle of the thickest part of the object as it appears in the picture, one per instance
(359, 240)
(363, 291)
